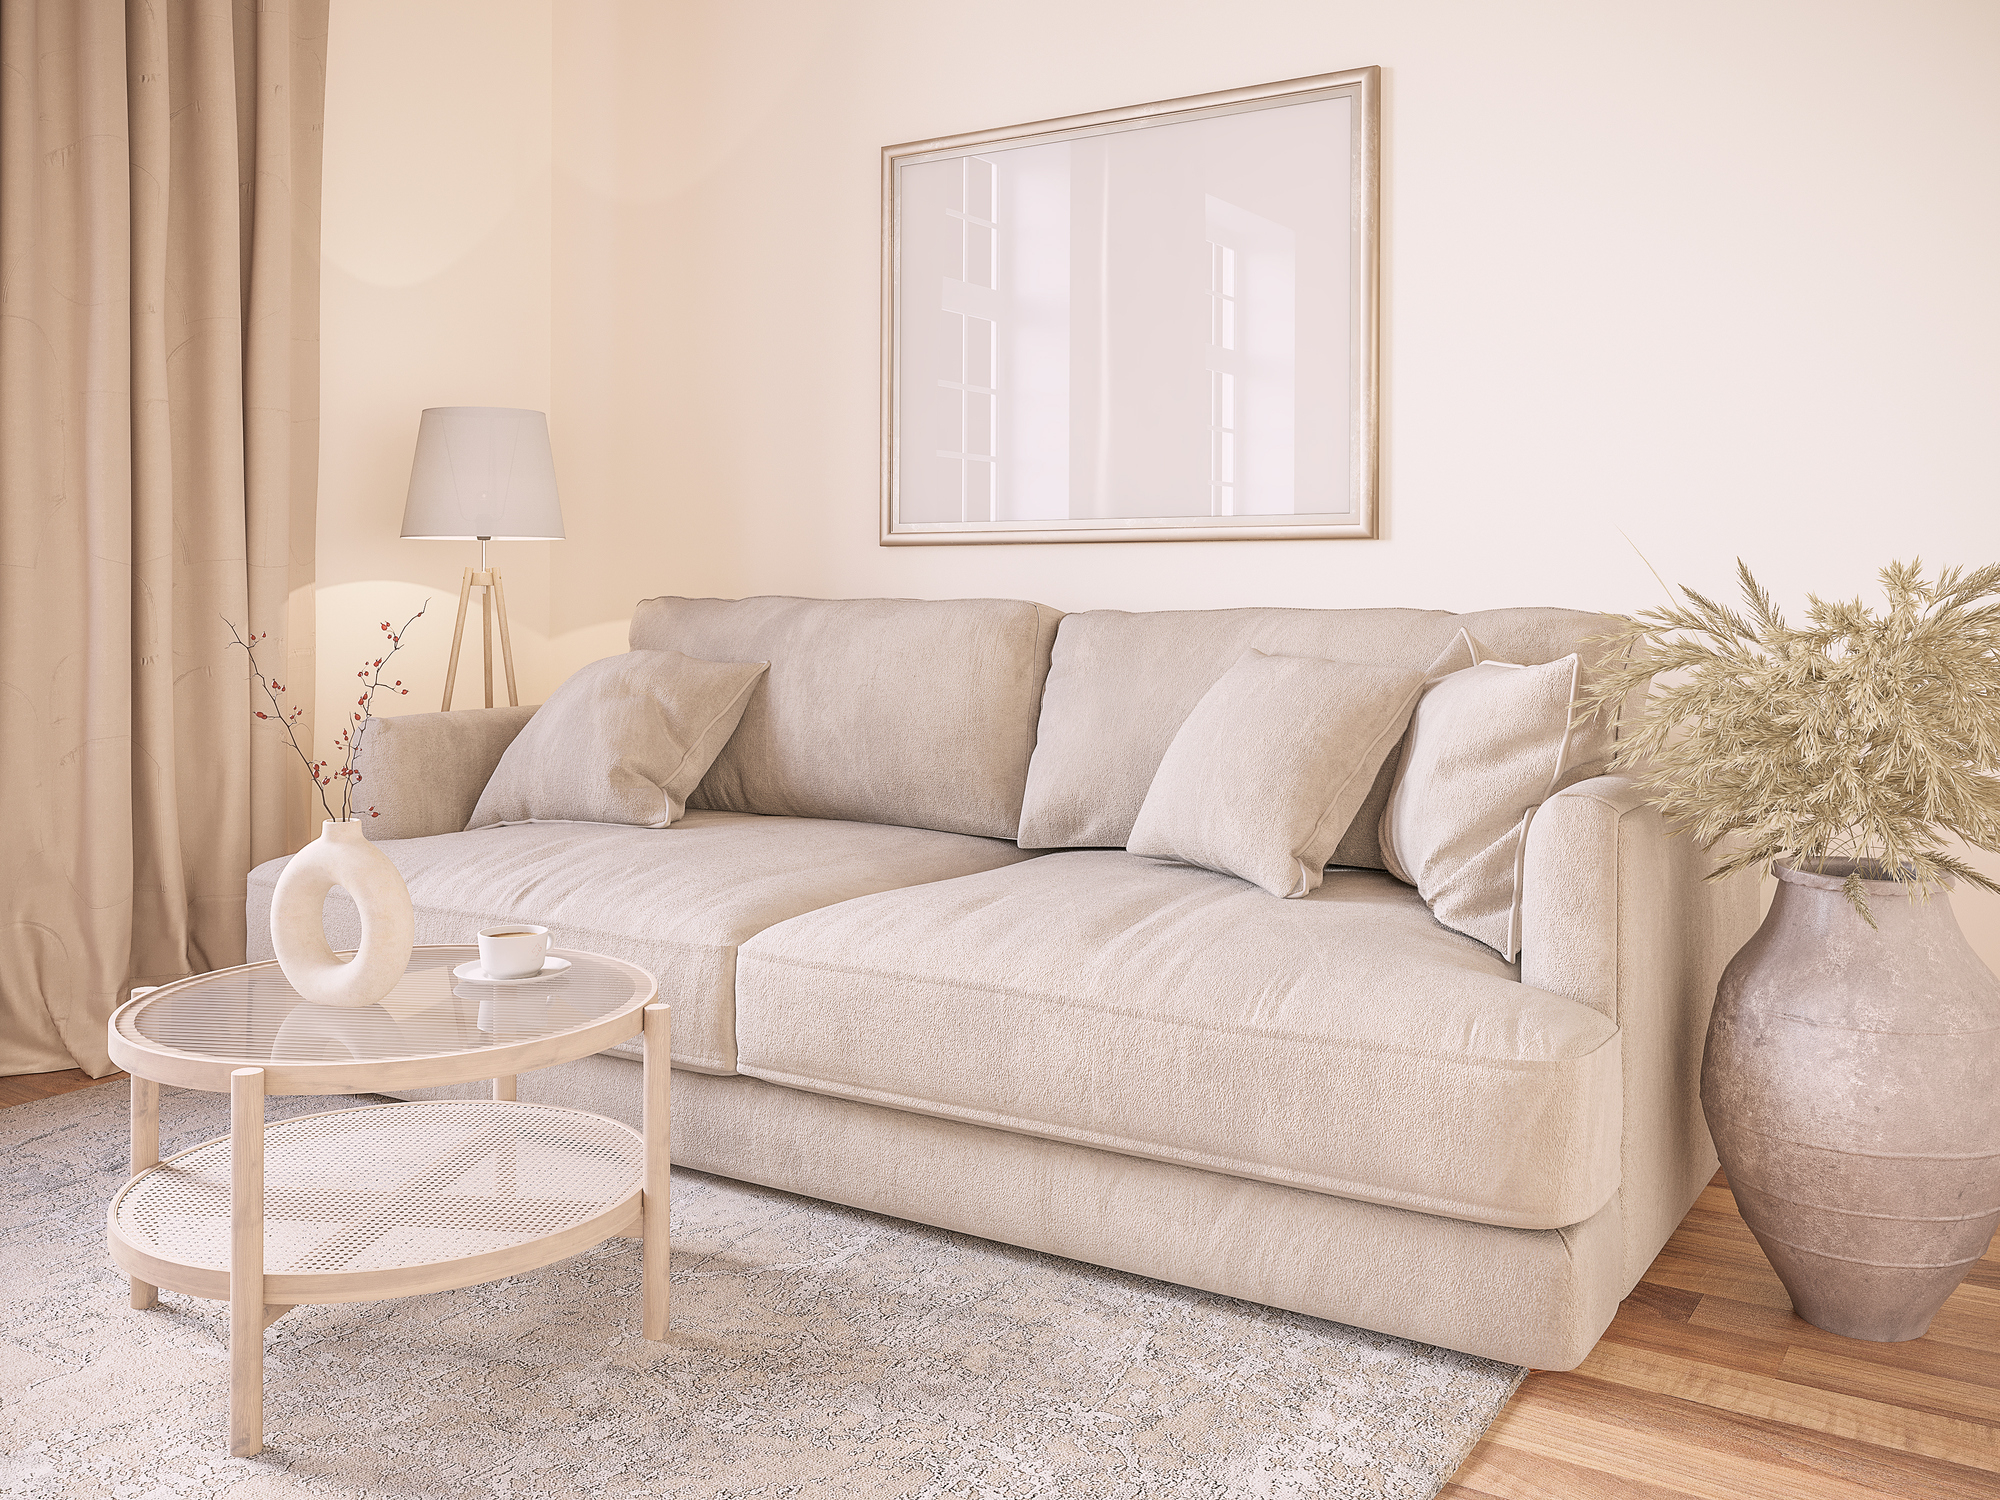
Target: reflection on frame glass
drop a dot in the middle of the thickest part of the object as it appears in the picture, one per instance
(1149, 324)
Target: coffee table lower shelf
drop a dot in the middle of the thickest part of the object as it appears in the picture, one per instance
(389, 1200)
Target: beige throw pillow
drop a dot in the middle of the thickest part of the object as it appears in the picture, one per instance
(625, 740)
(1487, 746)
(1270, 767)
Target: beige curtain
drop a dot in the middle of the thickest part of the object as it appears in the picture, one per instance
(159, 286)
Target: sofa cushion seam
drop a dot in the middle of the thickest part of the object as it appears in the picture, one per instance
(1519, 1064)
(1122, 1146)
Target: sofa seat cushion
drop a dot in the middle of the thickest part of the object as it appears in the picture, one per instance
(1343, 1043)
(676, 901)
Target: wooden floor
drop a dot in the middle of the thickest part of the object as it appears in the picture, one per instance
(1707, 1388)
(23, 1087)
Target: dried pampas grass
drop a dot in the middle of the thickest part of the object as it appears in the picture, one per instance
(1860, 736)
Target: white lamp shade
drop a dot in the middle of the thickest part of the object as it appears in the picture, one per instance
(483, 471)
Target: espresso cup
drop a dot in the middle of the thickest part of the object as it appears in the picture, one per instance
(513, 950)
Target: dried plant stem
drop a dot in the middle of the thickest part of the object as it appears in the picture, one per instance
(348, 741)
(1861, 735)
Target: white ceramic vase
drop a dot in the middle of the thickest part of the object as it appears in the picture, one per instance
(342, 856)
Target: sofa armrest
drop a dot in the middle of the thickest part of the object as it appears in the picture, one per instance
(1613, 908)
(1616, 915)
(423, 773)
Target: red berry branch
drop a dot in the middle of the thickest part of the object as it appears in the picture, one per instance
(348, 742)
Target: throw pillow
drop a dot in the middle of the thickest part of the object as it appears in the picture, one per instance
(1269, 768)
(1487, 746)
(625, 740)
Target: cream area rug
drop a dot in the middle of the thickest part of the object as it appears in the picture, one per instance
(815, 1351)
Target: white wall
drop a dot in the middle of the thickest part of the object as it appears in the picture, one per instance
(1718, 276)
(435, 290)
(1715, 277)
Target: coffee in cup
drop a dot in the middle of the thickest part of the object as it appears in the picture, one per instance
(513, 950)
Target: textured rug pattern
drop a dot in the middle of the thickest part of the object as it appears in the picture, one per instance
(816, 1351)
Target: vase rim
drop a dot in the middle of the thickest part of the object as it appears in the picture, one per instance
(1831, 875)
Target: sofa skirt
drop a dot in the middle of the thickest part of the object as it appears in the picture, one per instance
(1530, 1297)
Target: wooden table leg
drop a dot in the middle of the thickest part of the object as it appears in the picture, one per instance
(145, 1154)
(246, 1262)
(503, 1088)
(657, 1126)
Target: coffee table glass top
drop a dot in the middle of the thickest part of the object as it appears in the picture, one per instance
(252, 1016)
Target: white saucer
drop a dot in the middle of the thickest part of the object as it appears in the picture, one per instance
(550, 968)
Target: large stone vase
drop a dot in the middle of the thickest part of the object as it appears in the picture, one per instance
(342, 856)
(1852, 1084)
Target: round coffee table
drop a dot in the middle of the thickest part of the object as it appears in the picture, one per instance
(387, 1200)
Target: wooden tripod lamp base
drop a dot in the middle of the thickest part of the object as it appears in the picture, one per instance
(492, 599)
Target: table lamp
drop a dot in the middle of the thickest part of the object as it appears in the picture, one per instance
(483, 473)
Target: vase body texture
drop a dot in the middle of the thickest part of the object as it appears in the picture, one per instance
(342, 856)
(1852, 1084)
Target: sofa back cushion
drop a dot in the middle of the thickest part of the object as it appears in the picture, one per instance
(911, 712)
(1268, 771)
(1121, 684)
(625, 740)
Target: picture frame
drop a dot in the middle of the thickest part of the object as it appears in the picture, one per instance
(1155, 323)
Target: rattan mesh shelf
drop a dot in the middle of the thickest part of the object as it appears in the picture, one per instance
(366, 1193)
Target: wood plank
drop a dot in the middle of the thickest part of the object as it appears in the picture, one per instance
(1984, 1273)
(1694, 1273)
(1716, 1209)
(1717, 1196)
(1667, 1303)
(24, 1088)
(1641, 1457)
(1978, 1362)
(1911, 1390)
(1501, 1473)
(1728, 1244)
(1970, 1316)
(1732, 1351)
(1856, 1418)
(1700, 1432)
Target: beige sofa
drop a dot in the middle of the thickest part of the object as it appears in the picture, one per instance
(1331, 1104)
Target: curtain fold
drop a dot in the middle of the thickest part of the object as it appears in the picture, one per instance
(159, 240)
